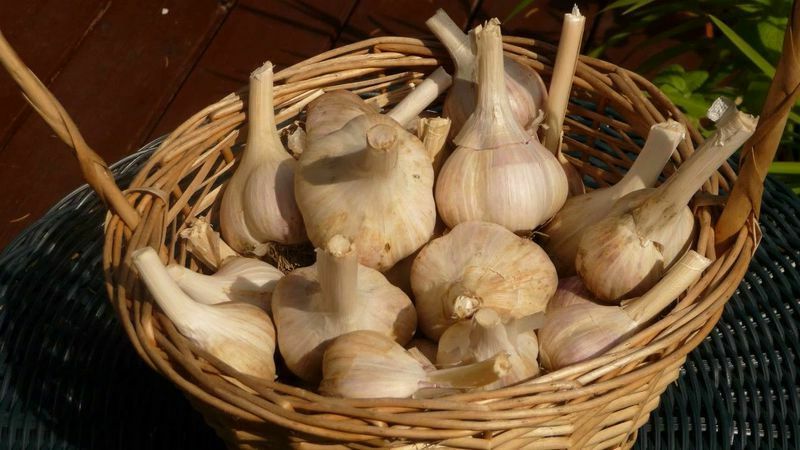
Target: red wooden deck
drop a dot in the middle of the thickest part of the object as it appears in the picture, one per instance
(129, 71)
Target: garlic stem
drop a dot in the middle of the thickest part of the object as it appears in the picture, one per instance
(380, 156)
(337, 268)
(422, 96)
(493, 106)
(682, 275)
(563, 72)
(472, 375)
(734, 128)
(179, 307)
(261, 118)
(455, 41)
(205, 243)
(661, 142)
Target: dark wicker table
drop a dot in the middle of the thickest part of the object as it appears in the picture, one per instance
(71, 380)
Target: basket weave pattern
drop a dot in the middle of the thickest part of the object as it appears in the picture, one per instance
(597, 404)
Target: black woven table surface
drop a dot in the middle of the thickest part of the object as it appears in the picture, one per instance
(69, 378)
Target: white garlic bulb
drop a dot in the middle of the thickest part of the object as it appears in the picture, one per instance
(337, 295)
(366, 364)
(563, 233)
(526, 91)
(570, 291)
(238, 279)
(370, 181)
(484, 336)
(258, 204)
(333, 110)
(498, 173)
(584, 329)
(479, 264)
(626, 253)
(239, 334)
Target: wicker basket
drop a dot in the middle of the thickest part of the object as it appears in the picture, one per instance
(596, 404)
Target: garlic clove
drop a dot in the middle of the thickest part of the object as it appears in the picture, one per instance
(498, 173)
(526, 90)
(238, 279)
(624, 254)
(206, 244)
(584, 329)
(336, 295)
(366, 364)
(479, 264)
(562, 234)
(239, 334)
(258, 204)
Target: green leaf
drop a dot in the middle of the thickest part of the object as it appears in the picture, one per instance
(623, 4)
(637, 6)
(785, 168)
(770, 33)
(695, 79)
(744, 47)
(518, 9)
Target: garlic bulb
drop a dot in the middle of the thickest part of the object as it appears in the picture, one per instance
(366, 364)
(336, 295)
(563, 233)
(498, 173)
(258, 203)
(625, 254)
(527, 93)
(238, 279)
(570, 291)
(333, 110)
(477, 265)
(205, 244)
(370, 181)
(239, 334)
(583, 329)
(484, 336)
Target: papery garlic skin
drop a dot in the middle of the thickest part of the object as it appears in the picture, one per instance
(479, 264)
(563, 233)
(258, 204)
(498, 173)
(371, 181)
(239, 334)
(336, 295)
(238, 279)
(332, 111)
(484, 336)
(571, 290)
(366, 364)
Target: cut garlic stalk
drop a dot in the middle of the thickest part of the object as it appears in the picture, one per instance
(584, 329)
(238, 279)
(479, 264)
(370, 181)
(526, 91)
(258, 204)
(205, 244)
(239, 334)
(563, 233)
(336, 295)
(498, 173)
(366, 364)
(424, 94)
(484, 336)
(625, 254)
(433, 133)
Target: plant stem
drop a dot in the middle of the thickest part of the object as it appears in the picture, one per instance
(682, 275)
(205, 244)
(492, 124)
(455, 41)
(380, 156)
(661, 142)
(179, 307)
(262, 137)
(569, 47)
(472, 375)
(422, 96)
(337, 273)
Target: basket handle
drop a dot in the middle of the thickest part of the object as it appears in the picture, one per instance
(94, 169)
(757, 153)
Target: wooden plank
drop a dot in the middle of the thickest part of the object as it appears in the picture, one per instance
(116, 83)
(41, 31)
(283, 31)
(407, 18)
